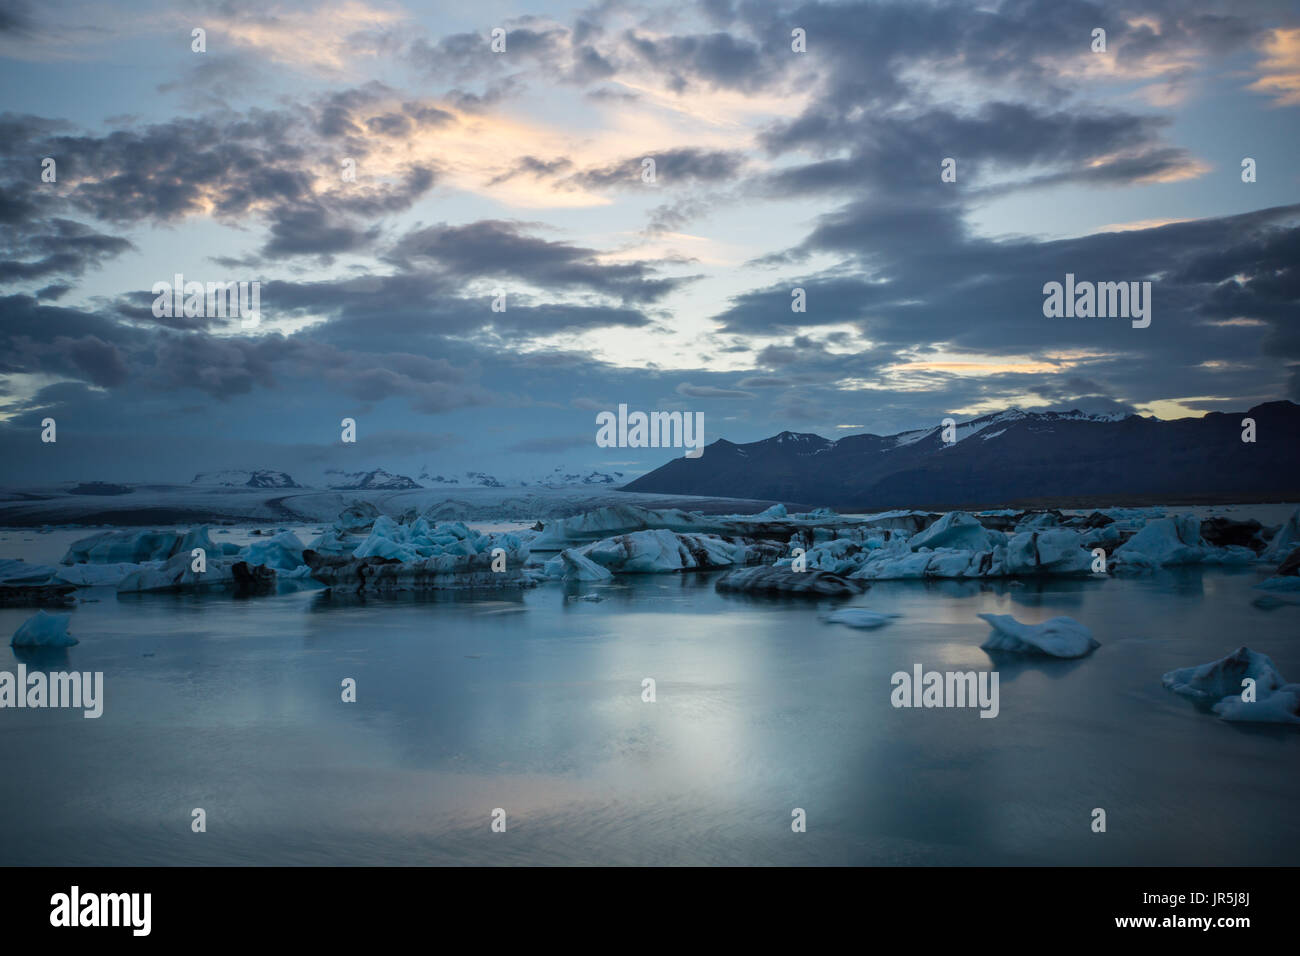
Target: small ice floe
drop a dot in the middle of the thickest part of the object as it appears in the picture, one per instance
(1058, 637)
(1287, 577)
(860, 617)
(44, 630)
(1289, 582)
(1244, 686)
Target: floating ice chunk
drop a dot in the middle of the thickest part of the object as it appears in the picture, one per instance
(647, 552)
(1232, 554)
(1165, 541)
(1282, 706)
(1057, 637)
(1286, 539)
(577, 567)
(1222, 678)
(136, 547)
(1288, 582)
(860, 617)
(956, 529)
(1221, 681)
(44, 630)
(1038, 520)
(1058, 551)
(771, 580)
(95, 575)
(18, 571)
(776, 511)
(283, 552)
(175, 574)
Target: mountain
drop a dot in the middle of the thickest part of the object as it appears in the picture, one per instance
(562, 477)
(376, 480)
(1011, 456)
(262, 478)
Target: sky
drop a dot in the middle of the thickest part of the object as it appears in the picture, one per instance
(387, 177)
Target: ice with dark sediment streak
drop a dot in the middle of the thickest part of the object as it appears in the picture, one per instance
(654, 552)
(1056, 637)
(416, 556)
(777, 580)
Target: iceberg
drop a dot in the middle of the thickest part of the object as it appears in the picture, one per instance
(137, 547)
(574, 566)
(18, 571)
(418, 557)
(1058, 551)
(1222, 682)
(23, 584)
(1057, 637)
(651, 552)
(1164, 541)
(774, 580)
(44, 630)
(175, 574)
(283, 552)
(956, 529)
(1286, 540)
(95, 575)
(1221, 678)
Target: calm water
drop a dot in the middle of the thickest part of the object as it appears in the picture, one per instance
(532, 703)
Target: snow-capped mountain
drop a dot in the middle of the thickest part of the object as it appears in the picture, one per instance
(562, 477)
(261, 478)
(375, 480)
(1004, 457)
(559, 477)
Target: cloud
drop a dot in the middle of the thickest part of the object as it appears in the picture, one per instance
(1280, 68)
(549, 445)
(712, 391)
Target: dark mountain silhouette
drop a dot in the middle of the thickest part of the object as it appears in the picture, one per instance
(1006, 458)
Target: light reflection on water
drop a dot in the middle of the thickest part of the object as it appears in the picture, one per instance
(532, 702)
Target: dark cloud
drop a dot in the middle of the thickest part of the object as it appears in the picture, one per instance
(673, 167)
(499, 249)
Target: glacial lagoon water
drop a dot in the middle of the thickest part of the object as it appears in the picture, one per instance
(532, 702)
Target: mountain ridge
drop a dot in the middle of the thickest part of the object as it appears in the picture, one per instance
(1005, 456)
